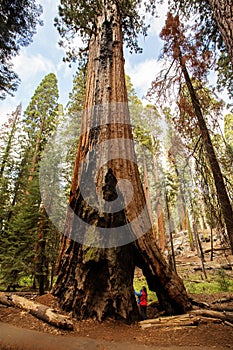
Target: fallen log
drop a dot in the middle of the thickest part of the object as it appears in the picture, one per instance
(212, 306)
(216, 249)
(224, 316)
(206, 320)
(193, 319)
(223, 300)
(200, 304)
(171, 321)
(228, 308)
(228, 324)
(40, 311)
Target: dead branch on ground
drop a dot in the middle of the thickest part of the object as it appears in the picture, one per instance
(40, 311)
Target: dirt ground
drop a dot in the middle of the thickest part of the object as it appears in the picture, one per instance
(21, 331)
(203, 336)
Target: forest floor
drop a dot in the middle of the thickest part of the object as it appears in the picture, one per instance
(17, 332)
(21, 331)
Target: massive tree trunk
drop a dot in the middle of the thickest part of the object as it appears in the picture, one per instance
(103, 240)
(223, 14)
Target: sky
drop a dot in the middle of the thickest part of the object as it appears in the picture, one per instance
(44, 56)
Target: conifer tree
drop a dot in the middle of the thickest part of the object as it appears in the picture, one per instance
(24, 235)
(187, 58)
(8, 162)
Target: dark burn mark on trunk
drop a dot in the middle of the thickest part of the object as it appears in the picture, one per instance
(93, 216)
(109, 189)
(106, 44)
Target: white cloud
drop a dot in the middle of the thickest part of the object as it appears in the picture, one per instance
(44, 56)
(157, 22)
(31, 70)
(142, 74)
(28, 65)
(7, 107)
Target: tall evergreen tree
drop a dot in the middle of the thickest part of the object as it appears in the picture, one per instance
(24, 243)
(185, 52)
(9, 163)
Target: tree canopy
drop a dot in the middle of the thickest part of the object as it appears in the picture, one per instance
(203, 14)
(80, 17)
(18, 20)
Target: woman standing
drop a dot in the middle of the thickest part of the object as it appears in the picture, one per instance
(142, 302)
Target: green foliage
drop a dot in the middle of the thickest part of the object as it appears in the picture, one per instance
(217, 282)
(210, 38)
(22, 221)
(225, 74)
(224, 282)
(77, 95)
(18, 246)
(72, 120)
(81, 17)
(228, 128)
(18, 20)
(40, 117)
(9, 163)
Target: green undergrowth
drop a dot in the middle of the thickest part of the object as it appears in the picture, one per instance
(219, 281)
(25, 282)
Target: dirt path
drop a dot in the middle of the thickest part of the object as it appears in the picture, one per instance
(15, 338)
(19, 330)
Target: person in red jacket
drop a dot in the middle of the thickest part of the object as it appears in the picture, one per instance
(142, 302)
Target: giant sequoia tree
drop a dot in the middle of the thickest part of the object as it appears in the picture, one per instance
(108, 231)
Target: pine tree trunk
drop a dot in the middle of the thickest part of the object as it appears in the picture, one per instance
(160, 219)
(41, 263)
(223, 14)
(223, 197)
(95, 272)
(182, 212)
(147, 192)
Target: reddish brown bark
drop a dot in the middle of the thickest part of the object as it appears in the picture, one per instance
(223, 14)
(97, 282)
(147, 193)
(160, 218)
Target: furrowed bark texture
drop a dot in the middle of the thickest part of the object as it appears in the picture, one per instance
(95, 271)
(223, 14)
